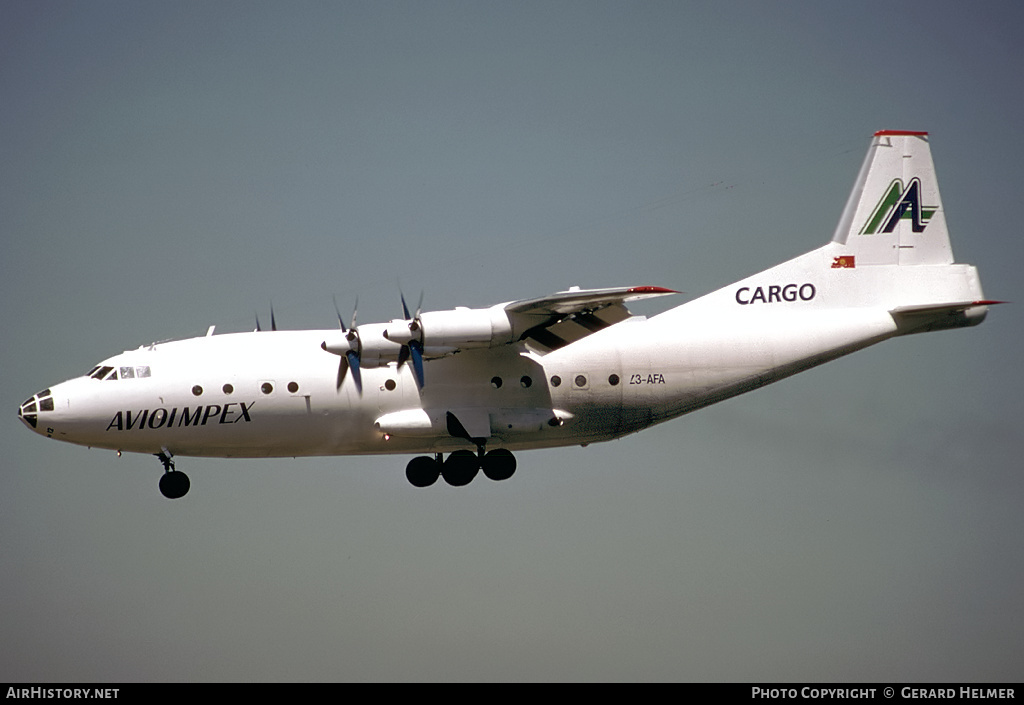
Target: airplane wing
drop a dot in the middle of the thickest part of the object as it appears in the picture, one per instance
(576, 300)
(546, 323)
(554, 321)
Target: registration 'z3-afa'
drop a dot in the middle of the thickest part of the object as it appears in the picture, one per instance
(462, 389)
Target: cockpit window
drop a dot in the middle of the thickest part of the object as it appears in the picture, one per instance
(107, 372)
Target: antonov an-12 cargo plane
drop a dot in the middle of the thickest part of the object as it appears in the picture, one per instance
(465, 388)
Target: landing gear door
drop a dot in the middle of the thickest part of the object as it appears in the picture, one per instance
(476, 421)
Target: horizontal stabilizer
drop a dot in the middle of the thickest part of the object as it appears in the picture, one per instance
(932, 317)
(935, 309)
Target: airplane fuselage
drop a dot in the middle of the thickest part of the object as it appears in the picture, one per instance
(274, 393)
(571, 368)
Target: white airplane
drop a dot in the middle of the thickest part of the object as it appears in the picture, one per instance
(571, 368)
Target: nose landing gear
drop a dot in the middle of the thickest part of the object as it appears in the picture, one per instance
(174, 484)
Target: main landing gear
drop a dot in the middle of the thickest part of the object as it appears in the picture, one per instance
(461, 467)
(174, 484)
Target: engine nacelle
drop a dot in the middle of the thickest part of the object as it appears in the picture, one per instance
(441, 332)
(447, 332)
(374, 349)
(465, 329)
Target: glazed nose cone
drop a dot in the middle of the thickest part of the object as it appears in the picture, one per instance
(33, 411)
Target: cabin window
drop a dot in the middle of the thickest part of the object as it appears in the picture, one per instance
(388, 385)
(293, 387)
(228, 389)
(555, 380)
(525, 381)
(266, 387)
(613, 380)
(197, 390)
(496, 382)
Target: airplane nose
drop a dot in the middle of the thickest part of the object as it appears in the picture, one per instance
(33, 406)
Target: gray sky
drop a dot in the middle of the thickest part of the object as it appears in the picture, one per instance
(168, 166)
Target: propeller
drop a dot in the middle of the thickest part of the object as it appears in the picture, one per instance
(273, 322)
(409, 342)
(414, 349)
(350, 360)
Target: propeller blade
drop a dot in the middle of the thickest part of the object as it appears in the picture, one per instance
(416, 350)
(353, 361)
(342, 371)
(405, 309)
(337, 311)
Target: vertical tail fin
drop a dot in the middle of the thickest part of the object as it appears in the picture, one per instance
(894, 214)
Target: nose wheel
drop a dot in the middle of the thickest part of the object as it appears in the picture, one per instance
(174, 484)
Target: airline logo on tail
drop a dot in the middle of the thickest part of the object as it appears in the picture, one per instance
(898, 204)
